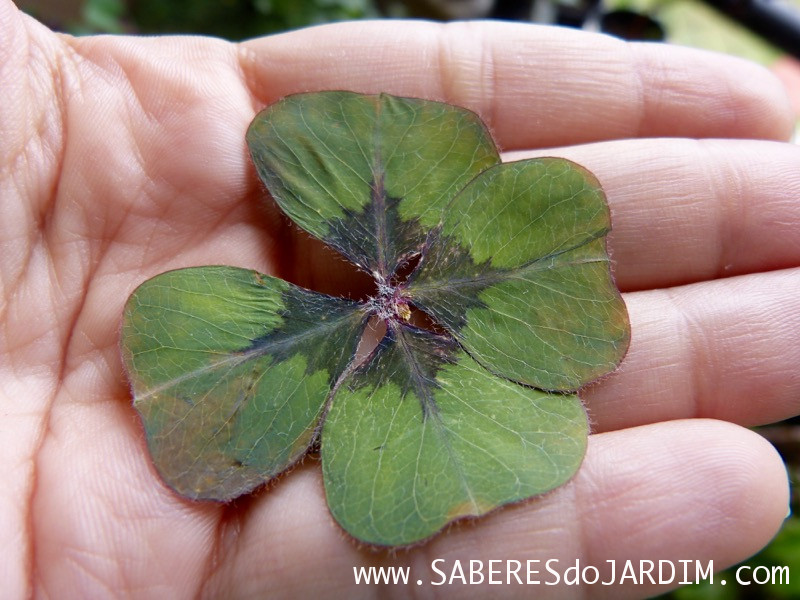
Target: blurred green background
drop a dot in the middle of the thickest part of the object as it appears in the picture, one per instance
(687, 22)
(231, 19)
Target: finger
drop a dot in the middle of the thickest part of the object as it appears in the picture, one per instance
(683, 490)
(726, 349)
(686, 210)
(535, 86)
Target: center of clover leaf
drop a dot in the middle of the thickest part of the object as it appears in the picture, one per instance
(236, 374)
(390, 304)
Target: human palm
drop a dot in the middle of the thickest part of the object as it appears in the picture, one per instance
(121, 158)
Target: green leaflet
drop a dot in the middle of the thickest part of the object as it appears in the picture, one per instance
(423, 435)
(230, 371)
(233, 372)
(520, 276)
(369, 175)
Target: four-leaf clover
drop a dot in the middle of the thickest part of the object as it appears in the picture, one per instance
(237, 374)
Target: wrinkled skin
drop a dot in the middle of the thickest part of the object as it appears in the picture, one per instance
(121, 158)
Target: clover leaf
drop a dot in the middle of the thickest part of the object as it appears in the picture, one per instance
(237, 374)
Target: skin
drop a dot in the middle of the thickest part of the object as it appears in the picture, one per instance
(123, 157)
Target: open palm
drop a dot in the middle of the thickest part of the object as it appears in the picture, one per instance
(121, 158)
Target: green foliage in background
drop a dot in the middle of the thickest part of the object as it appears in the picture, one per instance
(238, 19)
(230, 19)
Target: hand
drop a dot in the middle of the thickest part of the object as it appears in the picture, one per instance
(121, 158)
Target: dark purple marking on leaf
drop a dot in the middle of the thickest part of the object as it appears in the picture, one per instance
(392, 240)
(408, 357)
(316, 328)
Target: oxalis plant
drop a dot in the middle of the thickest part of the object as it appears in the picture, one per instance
(237, 374)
